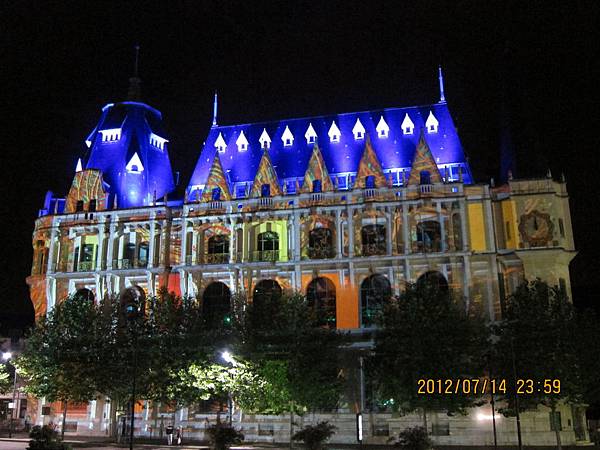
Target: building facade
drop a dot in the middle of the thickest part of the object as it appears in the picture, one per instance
(345, 208)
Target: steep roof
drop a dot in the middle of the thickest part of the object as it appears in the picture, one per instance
(290, 159)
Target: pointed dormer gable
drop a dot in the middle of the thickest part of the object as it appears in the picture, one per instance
(265, 175)
(368, 167)
(264, 139)
(220, 144)
(287, 137)
(432, 123)
(242, 142)
(408, 126)
(135, 164)
(424, 170)
(216, 187)
(334, 133)
(383, 129)
(316, 171)
(310, 135)
(358, 130)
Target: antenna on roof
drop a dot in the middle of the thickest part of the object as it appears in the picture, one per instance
(135, 92)
(441, 79)
(215, 104)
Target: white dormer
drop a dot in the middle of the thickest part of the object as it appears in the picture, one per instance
(242, 142)
(220, 144)
(111, 135)
(264, 139)
(383, 129)
(432, 123)
(287, 137)
(334, 133)
(135, 164)
(79, 167)
(310, 135)
(157, 141)
(408, 126)
(358, 130)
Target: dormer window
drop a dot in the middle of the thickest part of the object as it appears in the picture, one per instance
(111, 135)
(135, 164)
(358, 130)
(265, 190)
(287, 137)
(316, 187)
(242, 142)
(310, 135)
(216, 194)
(334, 133)
(157, 141)
(383, 129)
(220, 144)
(264, 139)
(408, 126)
(432, 123)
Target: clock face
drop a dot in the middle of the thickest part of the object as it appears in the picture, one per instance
(536, 228)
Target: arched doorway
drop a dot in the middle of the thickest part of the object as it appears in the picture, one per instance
(84, 294)
(374, 292)
(432, 280)
(320, 295)
(216, 303)
(266, 295)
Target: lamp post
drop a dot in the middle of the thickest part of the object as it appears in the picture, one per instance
(6, 356)
(228, 358)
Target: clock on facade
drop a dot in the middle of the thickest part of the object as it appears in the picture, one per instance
(536, 228)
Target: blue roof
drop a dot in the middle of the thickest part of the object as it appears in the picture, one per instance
(395, 151)
(137, 122)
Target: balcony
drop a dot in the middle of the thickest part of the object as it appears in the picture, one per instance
(321, 252)
(265, 255)
(86, 266)
(124, 264)
(216, 258)
(373, 249)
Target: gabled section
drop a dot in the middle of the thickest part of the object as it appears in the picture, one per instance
(266, 183)
(242, 142)
(408, 126)
(358, 130)
(216, 188)
(87, 192)
(334, 133)
(264, 139)
(287, 137)
(111, 135)
(383, 129)
(220, 144)
(370, 174)
(432, 123)
(316, 177)
(424, 170)
(310, 135)
(135, 164)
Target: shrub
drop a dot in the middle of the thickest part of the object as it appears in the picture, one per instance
(222, 436)
(414, 439)
(314, 436)
(45, 438)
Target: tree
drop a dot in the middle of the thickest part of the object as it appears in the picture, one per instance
(425, 334)
(5, 380)
(536, 340)
(59, 360)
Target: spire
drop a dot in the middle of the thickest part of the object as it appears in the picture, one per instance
(215, 104)
(135, 92)
(441, 79)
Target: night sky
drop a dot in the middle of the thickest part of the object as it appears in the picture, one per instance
(516, 72)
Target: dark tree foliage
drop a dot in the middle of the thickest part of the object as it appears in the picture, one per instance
(315, 436)
(6, 381)
(425, 334)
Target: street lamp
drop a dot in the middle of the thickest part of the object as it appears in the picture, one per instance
(7, 356)
(228, 358)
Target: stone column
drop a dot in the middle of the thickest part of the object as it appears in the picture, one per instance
(463, 225)
(338, 234)
(350, 225)
(406, 230)
(101, 237)
(438, 208)
(467, 280)
(54, 241)
(194, 246)
(113, 235)
(151, 248)
(297, 225)
(184, 237)
(232, 245)
(388, 231)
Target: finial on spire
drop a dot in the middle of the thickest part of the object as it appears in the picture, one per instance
(215, 104)
(441, 79)
(549, 173)
(135, 92)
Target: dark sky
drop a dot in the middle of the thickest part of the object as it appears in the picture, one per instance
(527, 68)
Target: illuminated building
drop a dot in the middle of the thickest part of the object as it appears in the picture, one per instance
(346, 208)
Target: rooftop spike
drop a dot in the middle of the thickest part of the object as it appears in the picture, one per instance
(215, 104)
(441, 79)
(135, 92)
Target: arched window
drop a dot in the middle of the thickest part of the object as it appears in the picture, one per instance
(218, 249)
(432, 280)
(216, 304)
(429, 236)
(370, 182)
(268, 246)
(373, 240)
(425, 177)
(374, 292)
(320, 295)
(265, 297)
(320, 243)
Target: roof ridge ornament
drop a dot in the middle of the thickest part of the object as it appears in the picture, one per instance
(432, 123)
(220, 143)
(135, 92)
(408, 126)
(264, 139)
(287, 137)
(215, 105)
(441, 81)
(242, 142)
(358, 130)
(334, 132)
(383, 129)
(311, 134)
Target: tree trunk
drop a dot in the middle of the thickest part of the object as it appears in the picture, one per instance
(425, 420)
(291, 424)
(556, 430)
(64, 421)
